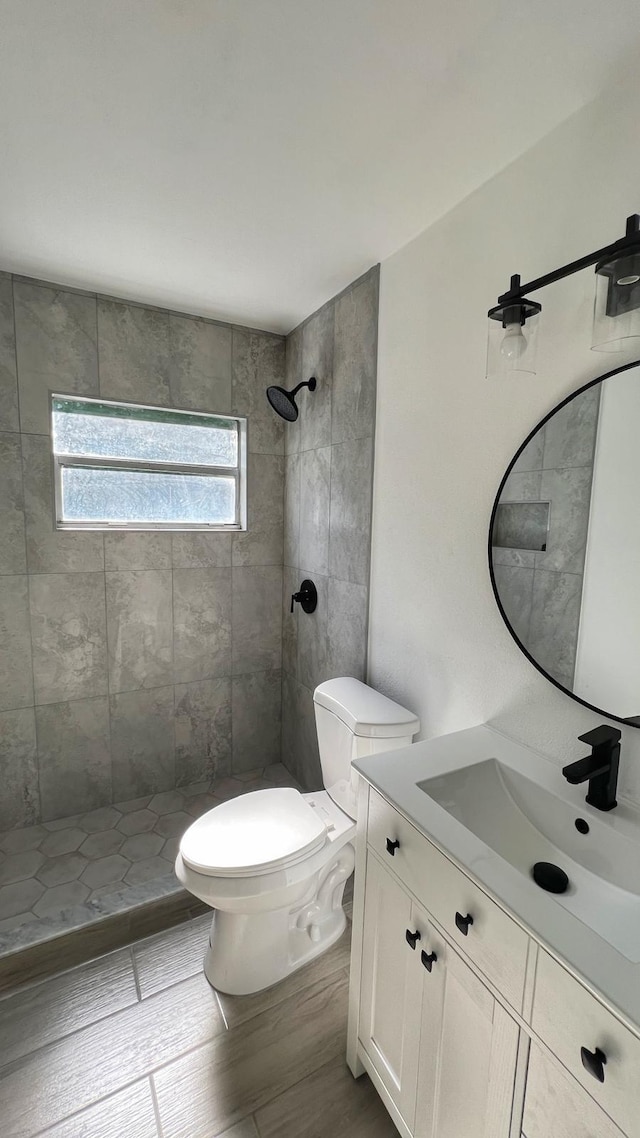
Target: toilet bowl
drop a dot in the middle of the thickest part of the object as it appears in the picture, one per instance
(273, 864)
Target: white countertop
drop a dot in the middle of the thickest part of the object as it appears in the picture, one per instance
(609, 974)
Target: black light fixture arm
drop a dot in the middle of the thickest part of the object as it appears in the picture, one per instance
(517, 291)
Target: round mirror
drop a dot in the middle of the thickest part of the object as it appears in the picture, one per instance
(564, 545)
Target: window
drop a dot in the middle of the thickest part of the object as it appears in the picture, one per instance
(122, 466)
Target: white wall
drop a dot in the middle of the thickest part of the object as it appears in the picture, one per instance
(445, 434)
(608, 656)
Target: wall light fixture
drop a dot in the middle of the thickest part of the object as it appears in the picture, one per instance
(514, 320)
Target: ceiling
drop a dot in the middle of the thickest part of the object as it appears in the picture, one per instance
(246, 159)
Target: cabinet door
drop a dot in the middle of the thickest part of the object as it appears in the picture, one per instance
(391, 988)
(468, 1053)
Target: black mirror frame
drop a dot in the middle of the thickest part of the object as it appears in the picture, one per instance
(530, 436)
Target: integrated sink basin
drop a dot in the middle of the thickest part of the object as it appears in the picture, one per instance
(525, 822)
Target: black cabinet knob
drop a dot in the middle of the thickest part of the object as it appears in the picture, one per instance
(392, 847)
(412, 938)
(428, 959)
(594, 1062)
(462, 923)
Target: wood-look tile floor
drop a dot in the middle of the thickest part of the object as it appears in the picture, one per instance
(136, 1044)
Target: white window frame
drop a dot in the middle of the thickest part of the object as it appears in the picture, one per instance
(238, 473)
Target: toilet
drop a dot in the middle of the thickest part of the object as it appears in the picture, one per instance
(273, 863)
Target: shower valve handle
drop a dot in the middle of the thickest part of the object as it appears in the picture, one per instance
(307, 597)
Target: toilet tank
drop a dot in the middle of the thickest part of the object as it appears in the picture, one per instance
(353, 720)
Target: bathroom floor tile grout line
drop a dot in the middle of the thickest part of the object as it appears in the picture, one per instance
(134, 969)
(179, 1055)
(156, 1105)
(15, 1064)
(89, 1106)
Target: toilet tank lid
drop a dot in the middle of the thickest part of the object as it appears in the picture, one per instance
(366, 712)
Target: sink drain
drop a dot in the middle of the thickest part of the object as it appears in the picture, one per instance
(550, 877)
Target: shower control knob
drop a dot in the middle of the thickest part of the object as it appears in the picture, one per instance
(306, 597)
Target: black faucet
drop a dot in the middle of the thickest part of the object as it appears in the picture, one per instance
(600, 767)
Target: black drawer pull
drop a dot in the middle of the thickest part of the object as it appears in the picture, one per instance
(428, 959)
(412, 938)
(463, 923)
(392, 847)
(594, 1062)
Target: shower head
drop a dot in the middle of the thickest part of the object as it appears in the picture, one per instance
(284, 402)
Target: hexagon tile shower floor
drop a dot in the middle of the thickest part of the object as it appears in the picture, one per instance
(64, 874)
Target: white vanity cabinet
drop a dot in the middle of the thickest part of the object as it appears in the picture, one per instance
(467, 1027)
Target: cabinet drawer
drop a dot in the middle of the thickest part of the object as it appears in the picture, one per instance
(567, 1017)
(556, 1105)
(495, 943)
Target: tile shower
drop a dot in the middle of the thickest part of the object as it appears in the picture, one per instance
(134, 666)
(541, 590)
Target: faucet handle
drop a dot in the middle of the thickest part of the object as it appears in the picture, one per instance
(599, 736)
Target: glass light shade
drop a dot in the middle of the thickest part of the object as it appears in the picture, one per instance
(616, 310)
(512, 349)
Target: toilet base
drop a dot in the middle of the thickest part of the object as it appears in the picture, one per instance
(252, 951)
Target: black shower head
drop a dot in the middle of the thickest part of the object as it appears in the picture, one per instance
(284, 403)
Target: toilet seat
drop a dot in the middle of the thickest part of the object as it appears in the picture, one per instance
(254, 834)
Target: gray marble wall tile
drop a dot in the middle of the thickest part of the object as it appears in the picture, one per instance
(13, 557)
(19, 800)
(16, 674)
(50, 550)
(555, 613)
(515, 584)
(257, 618)
(289, 746)
(74, 757)
(142, 742)
(521, 525)
(201, 550)
(258, 547)
(200, 367)
(9, 418)
(569, 493)
(258, 362)
(317, 360)
(261, 544)
(522, 486)
(139, 629)
(56, 345)
(348, 610)
(310, 771)
(570, 435)
(202, 624)
(292, 510)
(502, 556)
(256, 720)
(137, 550)
(293, 375)
(354, 362)
(313, 648)
(315, 490)
(291, 581)
(203, 730)
(68, 632)
(134, 353)
(351, 488)
(531, 457)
